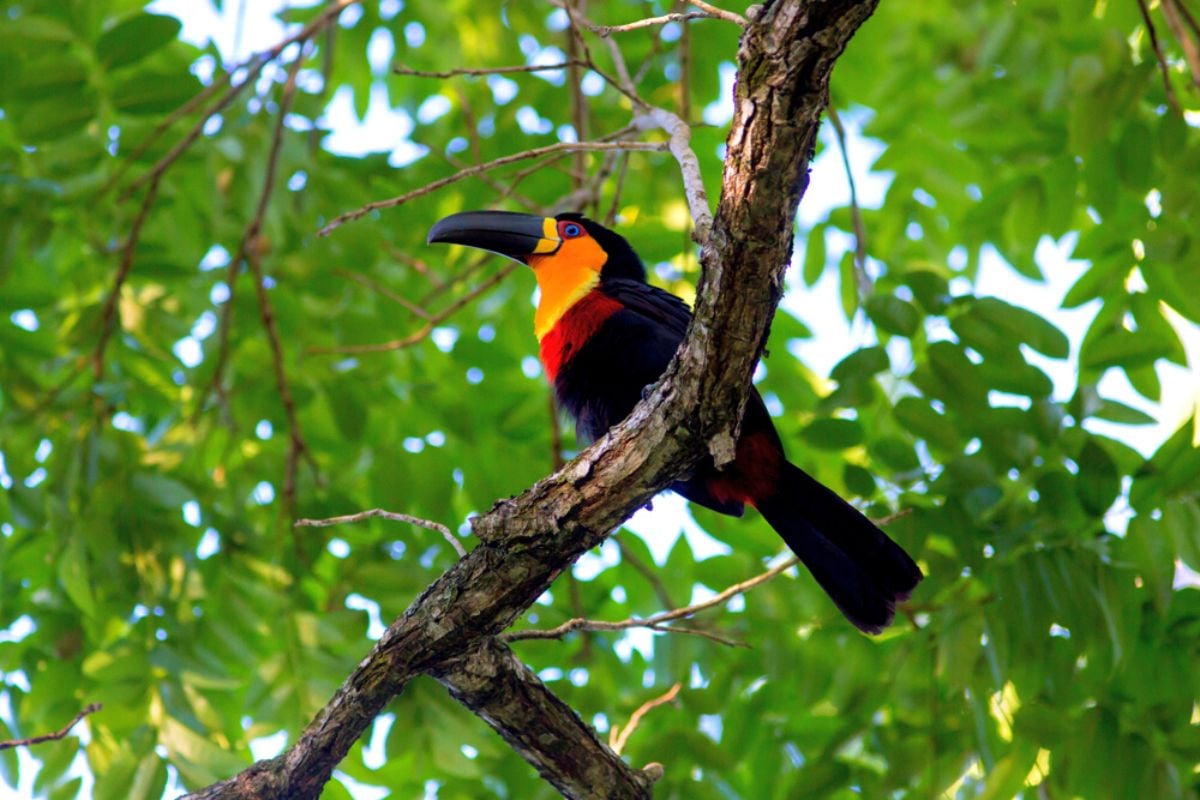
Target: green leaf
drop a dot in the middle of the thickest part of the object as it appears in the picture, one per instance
(134, 38)
(1122, 414)
(930, 289)
(833, 433)
(74, 573)
(10, 765)
(1021, 325)
(1099, 480)
(893, 314)
(814, 255)
(896, 453)
(52, 119)
(919, 418)
(152, 94)
(859, 481)
(861, 364)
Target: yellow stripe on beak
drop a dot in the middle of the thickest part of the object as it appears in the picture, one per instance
(550, 239)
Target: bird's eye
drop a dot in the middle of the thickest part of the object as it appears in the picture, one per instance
(571, 230)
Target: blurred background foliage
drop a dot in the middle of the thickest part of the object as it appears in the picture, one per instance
(147, 558)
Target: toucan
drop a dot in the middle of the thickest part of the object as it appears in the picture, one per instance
(606, 334)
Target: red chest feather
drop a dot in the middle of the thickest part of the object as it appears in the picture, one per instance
(573, 329)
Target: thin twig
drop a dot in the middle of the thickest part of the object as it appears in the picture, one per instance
(416, 264)
(678, 131)
(860, 234)
(503, 192)
(379, 288)
(428, 524)
(162, 127)
(537, 152)
(254, 67)
(608, 30)
(578, 101)
(421, 333)
(1187, 16)
(611, 216)
(401, 69)
(253, 247)
(658, 621)
(712, 637)
(720, 13)
(1159, 56)
(108, 316)
(689, 166)
(685, 71)
(1191, 50)
(651, 575)
(91, 708)
(654, 621)
(618, 737)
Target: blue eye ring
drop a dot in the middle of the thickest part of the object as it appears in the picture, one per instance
(571, 230)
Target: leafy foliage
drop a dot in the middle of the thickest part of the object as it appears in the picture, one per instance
(147, 559)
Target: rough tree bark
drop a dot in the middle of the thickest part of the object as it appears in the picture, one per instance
(784, 62)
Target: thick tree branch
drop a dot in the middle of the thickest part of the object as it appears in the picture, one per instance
(493, 683)
(785, 59)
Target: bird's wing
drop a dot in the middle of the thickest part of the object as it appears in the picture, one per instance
(651, 302)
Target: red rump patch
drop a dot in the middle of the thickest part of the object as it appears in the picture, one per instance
(574, 328)
(754, 474)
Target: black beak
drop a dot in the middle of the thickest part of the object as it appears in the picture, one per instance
(516, 236)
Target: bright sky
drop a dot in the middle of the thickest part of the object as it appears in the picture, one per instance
(386, 130)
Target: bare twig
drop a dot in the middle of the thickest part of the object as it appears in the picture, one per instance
(446, 533)
(606, 31)
(379, 288)
(253, 248)
(689, 166)
(658, 621)
(537, 152)
(651, 575)
(654, 621)
(1158, 55)
(615, 207)
(685, 71)
(712, 637)
(254, 67)
(401, 69)
(91, 708)
(860, 234)
(165, 125)
(720, 13)
(108, 316)
(1172, 10)
(421, 333)
(578, 101)
(618, 737)
(678, 131)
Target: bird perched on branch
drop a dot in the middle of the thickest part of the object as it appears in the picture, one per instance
(606, 335)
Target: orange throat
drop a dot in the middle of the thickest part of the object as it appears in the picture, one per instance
(564, 278)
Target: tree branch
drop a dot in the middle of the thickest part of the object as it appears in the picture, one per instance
(537, 152)
(91, 708)
(428, 524)
(654, 621)
(619, 736)
(493, 683)
(860, 232)
(785, 59)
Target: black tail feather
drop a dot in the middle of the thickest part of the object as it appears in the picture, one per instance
(863, 571)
